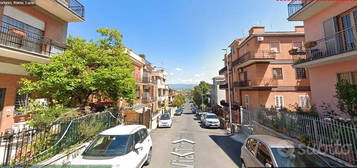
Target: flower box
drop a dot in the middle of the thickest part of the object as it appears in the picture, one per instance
(17, 32)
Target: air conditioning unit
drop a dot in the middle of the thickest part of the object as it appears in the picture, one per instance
(260, 38)
(274, 50)
(240, 70)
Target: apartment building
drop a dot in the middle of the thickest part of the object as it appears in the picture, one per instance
(30, 34)
(331, 41)
(159, 76)
(262, 72)
(217, 94)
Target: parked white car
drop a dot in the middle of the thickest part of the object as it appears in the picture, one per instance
(122, 146)
(211, 121)
(165, 121)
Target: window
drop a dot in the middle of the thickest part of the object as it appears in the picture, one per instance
(2, 98)
(277, 73)
(297, 45)
(108, 145)
(279, 101)
(263, 155)
(252, 146)
(21, 101)
(275, 47)
(300, 73)
(347, 77)
(143, 134)
(304, 101)
(137, 138)
(247, 102)
(245, 76)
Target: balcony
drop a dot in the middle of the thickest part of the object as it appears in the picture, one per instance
(224, 86)
(68, 10)
(148, 99)
(339, 47)
(301, 10)
(223, 70)
(21, 44)
(265, 83)
(252, 57)
(241, 83)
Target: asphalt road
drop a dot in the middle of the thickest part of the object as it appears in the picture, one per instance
(212, 148)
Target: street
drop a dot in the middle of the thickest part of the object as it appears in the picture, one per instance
(211, 147)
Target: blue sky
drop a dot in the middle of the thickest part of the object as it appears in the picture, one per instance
(185, 37)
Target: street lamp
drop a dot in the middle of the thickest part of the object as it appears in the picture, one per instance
(229, 91)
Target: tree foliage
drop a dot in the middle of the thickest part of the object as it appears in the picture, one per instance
(199, 94)
(85, 68)
(346, 93)
(179, 100)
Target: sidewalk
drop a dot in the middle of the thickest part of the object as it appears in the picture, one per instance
(239, 138)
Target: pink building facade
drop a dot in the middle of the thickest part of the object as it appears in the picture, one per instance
(330, 29)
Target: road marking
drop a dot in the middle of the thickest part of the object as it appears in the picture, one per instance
(182, 155)
(183, 140)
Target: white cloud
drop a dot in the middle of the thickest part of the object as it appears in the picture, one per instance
(179, 69)
(197, 75)
(172, 74)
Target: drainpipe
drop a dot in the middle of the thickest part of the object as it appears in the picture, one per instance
(229, 93)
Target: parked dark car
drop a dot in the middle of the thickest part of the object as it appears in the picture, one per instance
(178, 112)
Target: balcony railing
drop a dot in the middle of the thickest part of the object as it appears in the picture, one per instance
(265, 82)
(74, 6)
(222, 70)
(341, 42)
(259, 55)
(18, 38)
(224, 86)
(295, 6)
(148, 99)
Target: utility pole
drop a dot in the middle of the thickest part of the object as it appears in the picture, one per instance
(229, 91)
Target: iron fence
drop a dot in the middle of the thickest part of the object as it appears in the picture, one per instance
(295, 6)
(74, 6)
(33, 145)
(19, 38)
(332, 137)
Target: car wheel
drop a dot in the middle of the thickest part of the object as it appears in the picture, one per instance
(148, 160)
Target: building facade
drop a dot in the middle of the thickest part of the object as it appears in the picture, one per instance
(217, 94)
(29, 34)
(262, 73)
(331, 41)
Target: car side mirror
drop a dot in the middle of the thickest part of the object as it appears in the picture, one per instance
(268, 165)
(138, 146)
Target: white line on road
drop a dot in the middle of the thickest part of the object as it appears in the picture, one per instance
(182, 155)
(183, 140)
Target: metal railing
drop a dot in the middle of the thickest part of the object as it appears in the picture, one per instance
(328, 136)
(14, 37)
(265, 82)
(32, 145)
(74, 6)
(223, 70)
(259, 55)
(341, 42)
(294, 6)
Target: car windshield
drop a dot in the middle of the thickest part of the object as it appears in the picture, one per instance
(297, 157)
(211, 116)
(165, 117)
(107, 145)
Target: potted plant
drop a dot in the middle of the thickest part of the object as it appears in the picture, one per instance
(293, 51)
(310, 44)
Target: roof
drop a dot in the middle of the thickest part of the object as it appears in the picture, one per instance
(122, 130)
(273, 142)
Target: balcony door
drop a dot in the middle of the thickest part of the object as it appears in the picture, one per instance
(347, 33)
(2, 101)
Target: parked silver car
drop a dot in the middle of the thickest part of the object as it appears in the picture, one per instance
(269, 151)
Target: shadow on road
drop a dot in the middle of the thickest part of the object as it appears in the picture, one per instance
(229, 146)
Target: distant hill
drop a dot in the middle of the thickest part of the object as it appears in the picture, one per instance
(182, 86)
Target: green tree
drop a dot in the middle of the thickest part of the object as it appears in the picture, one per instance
(179, 100)
(346, 93)
(199, 94)
(85, 68)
